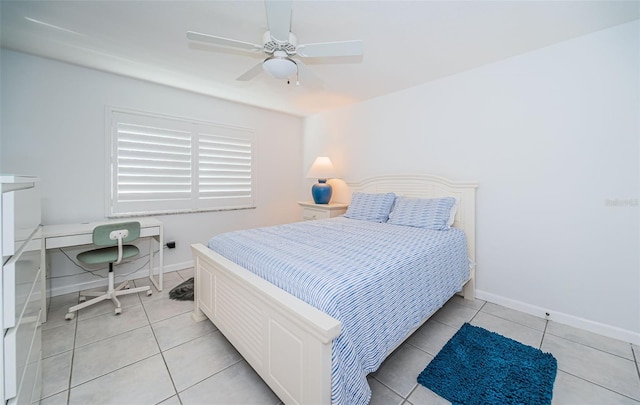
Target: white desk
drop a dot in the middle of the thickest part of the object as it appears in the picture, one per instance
(68, 235)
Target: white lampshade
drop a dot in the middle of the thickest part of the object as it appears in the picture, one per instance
(279, 66)
(322, 168)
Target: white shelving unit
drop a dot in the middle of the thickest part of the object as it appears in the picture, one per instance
(23, 295)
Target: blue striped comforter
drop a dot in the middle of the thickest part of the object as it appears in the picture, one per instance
(379, 280)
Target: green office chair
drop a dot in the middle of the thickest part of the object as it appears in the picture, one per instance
(113, 236)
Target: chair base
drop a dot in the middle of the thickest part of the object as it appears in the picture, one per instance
(111, 294)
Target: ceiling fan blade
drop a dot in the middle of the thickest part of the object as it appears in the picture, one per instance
(251, 73)
(279, 19)
(327, 49)
(307, 78)
(212, 39)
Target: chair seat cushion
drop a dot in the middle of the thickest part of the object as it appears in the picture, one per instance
(107, 255)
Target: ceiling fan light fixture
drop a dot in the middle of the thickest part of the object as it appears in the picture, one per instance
(280, 67)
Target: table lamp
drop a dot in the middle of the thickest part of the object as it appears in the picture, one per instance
(321, 169)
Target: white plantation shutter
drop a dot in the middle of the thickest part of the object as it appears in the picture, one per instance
(152, 163)
(224, 167)
(165, 165)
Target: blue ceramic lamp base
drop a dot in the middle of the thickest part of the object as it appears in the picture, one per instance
(321, 192)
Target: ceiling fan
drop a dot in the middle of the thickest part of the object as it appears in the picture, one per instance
(281, 46)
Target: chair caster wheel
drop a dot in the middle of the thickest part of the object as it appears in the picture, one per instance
(69, 316)
(149, 292)
(118, 311)
(82, 298)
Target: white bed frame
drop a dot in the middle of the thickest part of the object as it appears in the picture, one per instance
(287, 341)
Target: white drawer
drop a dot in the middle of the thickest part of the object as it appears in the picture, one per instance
(30, 388)
(18, 277)
(309, 214)
(20, 217)
(311, 211)
(19, 341)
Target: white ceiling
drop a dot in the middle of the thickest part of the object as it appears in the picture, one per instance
(406, 43)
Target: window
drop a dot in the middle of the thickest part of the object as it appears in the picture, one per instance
(160, 164)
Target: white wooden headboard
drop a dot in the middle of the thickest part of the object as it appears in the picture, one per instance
(430, 186)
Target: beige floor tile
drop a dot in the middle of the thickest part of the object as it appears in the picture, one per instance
(144, 382)
(607, 370)
(179, 329)
(571, 390)
(400, 370)
(238, 384)
(185, 361)
(108, 325)
(57, 399)
(474, 304)
(381, 395)
(169, 280)
(512, 315)
(56, 317)
(56, 372)
(59, 339)
(432, 336)
(606, 344)
(454, 315)
(174, 400)
(424, 396)
(186, 273)
(104, 356)
(512, 330)
(64, 300)
(161, 309)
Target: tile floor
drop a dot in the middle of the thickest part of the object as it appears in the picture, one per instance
(155, 354)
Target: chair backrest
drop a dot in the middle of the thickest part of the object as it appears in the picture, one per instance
(101, 233)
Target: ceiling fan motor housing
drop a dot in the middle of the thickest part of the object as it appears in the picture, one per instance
(271, 44)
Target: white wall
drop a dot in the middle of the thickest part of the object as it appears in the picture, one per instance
(550, 136)
(53, 126)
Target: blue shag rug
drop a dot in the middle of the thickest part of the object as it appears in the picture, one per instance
(479, 367)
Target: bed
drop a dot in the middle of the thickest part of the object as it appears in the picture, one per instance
(296, 347)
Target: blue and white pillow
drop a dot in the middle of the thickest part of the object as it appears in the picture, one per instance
(370, 207)
(429, 213)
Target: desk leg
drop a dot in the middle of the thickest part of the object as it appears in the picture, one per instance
(161, 258)
(159, 239)
(43, 278)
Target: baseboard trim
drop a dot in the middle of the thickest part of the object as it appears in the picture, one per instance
(567, 319)
(71, 288)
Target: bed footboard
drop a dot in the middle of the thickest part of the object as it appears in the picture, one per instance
(287, 341)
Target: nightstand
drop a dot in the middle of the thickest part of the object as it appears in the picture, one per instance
(311, 211)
